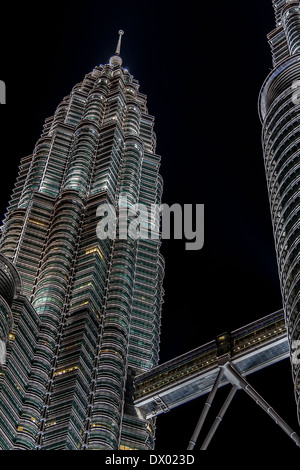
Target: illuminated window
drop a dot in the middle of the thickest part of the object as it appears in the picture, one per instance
(94, 249)
(127, 448)
(36, 222)
(64, 371)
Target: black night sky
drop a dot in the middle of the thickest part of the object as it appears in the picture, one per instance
(201, 65)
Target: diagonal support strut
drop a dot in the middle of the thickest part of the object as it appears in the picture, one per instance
(205, 410)
(234, 376)
(219, 418)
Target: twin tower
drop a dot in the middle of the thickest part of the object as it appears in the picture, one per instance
(80, 316)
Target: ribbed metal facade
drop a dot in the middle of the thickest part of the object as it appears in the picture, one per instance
(80, 316)
(279, 108)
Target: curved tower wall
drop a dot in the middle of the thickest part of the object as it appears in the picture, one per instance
(10, 286)
(279, 109)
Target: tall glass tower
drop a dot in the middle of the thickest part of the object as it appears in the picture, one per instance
(279, 109)
(80, 315)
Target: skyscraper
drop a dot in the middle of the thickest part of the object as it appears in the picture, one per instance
(279, 109)
(80, 314)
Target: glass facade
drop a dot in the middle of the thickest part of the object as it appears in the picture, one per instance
(80, 315)
(279, 109)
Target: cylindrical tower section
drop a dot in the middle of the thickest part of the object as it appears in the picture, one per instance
(12, 232)
(10, 285)
(54, 277)
(37, 168)
(108, 401)
(279, 108)
(60, 114)
(131, 170)
(132, 119)
(82, 159)
(95, 106)
(111, 374)
(291, 23)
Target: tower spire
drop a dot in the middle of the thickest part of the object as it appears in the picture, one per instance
(118, 50)
(116, 59)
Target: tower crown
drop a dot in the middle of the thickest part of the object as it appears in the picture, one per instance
(116, 59)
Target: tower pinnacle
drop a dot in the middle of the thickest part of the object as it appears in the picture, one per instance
(116, 59)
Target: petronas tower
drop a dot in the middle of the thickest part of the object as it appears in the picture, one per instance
(80, 315)
(279, 109)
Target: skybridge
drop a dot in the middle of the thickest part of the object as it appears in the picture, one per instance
(226, 360)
